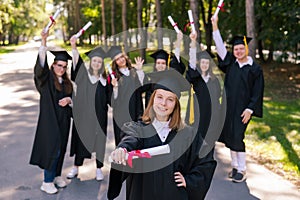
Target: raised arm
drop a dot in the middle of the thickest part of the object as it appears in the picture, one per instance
(221, 49)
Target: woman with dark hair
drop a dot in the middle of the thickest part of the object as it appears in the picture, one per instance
(166, 176)
(52, 133)
(90, 107)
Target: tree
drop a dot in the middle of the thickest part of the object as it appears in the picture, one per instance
(250, 21)
(159, 24)
(143, 35)
(124, 24)
(103, 22)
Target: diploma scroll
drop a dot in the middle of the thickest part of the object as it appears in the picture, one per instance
(173, 24)
(81, 31)
(218, 8)
(52, 20)
(110, 71)
(148, 153)
(191, 20)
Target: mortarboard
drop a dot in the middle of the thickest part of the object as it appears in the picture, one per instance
(160, 54)
(205, 55)
(61, 55)
(239, 40)
(169, 80)
(98, 51)
(113, 51)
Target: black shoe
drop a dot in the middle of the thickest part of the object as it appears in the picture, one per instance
(239, 177)
(232, 173)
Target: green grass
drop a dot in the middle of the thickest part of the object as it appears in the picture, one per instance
(275, 139)
(6, 49)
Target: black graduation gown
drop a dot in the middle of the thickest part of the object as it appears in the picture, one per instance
(244, 89)
(53, 126)
(128, 106)
(207, 96)
(155, 179)
(90, 107)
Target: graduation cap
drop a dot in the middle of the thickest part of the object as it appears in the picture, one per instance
(205, 54)
(169, 80)
(113, 51)
(98, 51)
(160, 54)
(241, 40)
(61, 55)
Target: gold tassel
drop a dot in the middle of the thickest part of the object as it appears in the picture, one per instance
(169, 60)
(192, 116)
(246, 46)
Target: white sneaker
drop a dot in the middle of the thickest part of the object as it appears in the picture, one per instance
(73, 173)
(99, 174)
(60, 182)
(49, 188)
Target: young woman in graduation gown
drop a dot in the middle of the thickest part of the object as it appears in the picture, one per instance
(126, 99)
(168, 176)
(90, 107)
(52, 132)
(244, 86)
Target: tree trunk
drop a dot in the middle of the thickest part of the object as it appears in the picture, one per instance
(141, 43)
(103, 22)
(124, 24)
(250, 22)
(159, 24)
(194, 7)
(76, 16)
(113, 30)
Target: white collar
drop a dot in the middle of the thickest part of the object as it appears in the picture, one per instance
(206, 78)
(125, 71)
(94, 79)
(249, 62)
(162, 129)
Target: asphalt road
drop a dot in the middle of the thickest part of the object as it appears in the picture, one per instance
(21, 181)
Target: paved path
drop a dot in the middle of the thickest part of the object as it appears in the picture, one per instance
(21, 181)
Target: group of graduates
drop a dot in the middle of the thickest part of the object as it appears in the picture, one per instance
(186, 171)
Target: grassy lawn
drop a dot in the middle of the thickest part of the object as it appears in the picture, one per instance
(274, 140)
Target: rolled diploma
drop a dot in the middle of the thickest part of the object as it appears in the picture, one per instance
(110, 71)
(153, 151)
(218, 8)
(54, 17)
(191, 20)
(173, 24)
(83, 29)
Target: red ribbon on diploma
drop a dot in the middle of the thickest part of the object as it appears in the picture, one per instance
(52, 20)
(222, 7)
(188, 24)
(137, 153)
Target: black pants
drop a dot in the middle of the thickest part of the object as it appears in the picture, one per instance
(79, 162)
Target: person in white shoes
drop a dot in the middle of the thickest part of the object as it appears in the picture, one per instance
(90, 107)
(52, 132)
(244, 87)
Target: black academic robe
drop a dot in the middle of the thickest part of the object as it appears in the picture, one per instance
(153, 178)
(90, 107)
(244, 89)
(207, 100)
(128, 106)
(53, 125)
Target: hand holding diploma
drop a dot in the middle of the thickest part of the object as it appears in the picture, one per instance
(81, 31)
(110, 71)
(52, 20)
(173, 24)
(220, 5)
(120, 155)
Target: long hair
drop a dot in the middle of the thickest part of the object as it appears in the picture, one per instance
(176, 123)
(67, 82)
(209, 71)
(115, 67)
(101, 71)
